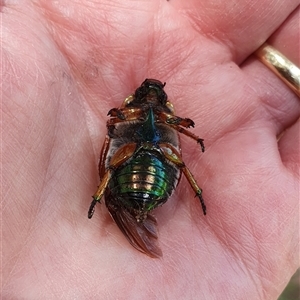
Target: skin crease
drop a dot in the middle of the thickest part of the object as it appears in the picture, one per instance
(65, 64)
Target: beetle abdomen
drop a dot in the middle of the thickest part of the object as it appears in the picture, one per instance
(145, 182)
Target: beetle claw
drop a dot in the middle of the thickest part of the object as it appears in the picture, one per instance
(92, 208)
(199, 195)
(201, 142)
(115, 112)
(190, 123)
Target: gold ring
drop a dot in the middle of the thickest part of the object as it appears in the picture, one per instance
(287, 71)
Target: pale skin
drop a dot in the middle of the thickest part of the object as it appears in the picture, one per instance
(65, 65)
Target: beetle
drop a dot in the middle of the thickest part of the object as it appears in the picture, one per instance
(141, 164)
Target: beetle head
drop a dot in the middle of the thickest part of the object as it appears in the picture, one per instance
(150, 92)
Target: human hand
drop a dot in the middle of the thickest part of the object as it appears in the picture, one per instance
(65, 64)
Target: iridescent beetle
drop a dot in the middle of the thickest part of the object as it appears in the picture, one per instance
(140, 163)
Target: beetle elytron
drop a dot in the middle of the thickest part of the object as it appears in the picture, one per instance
(140, 163)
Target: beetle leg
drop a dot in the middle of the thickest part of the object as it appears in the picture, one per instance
(116, 112)
(125, 114)
(189, 176)
(100, 192)
(103, 156)
(174, 156)
(175, 120)
(121, 156)
(119, 115)
(191, 135)
(177, 123)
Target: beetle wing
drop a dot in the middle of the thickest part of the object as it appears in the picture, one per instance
(141, 235)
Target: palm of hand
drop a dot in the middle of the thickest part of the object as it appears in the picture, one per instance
(59, 84)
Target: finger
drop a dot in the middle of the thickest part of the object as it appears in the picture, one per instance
(289, 148)
(277, 104)
(242, 26)
(284, 38)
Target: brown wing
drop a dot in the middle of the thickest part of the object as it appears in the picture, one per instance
(141, 235)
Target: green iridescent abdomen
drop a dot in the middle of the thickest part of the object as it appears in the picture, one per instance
(146, 182)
